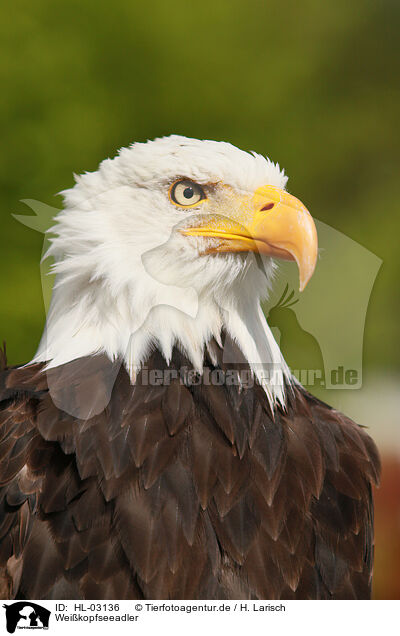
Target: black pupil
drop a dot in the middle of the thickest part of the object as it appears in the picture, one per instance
(188, 192)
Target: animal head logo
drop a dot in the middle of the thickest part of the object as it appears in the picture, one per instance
(280, 312)
(26, 615)
(299, 347)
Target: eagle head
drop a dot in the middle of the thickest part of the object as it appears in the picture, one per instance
(168, 244)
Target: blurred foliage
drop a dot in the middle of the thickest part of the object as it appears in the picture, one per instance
(312, 84)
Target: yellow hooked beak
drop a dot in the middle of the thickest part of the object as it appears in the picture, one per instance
(271, 222)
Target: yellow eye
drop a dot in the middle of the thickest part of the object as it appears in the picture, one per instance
(186, 193)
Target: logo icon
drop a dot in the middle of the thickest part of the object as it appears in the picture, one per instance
(26, 615)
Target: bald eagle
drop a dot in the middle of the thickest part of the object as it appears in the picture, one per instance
(157, 446)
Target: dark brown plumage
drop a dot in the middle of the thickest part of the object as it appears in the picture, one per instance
(184, 492)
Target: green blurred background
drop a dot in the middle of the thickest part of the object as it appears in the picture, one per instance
(314, 85)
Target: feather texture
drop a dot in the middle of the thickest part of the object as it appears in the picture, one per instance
(178, 491)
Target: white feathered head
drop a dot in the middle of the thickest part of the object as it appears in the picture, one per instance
(167, 244)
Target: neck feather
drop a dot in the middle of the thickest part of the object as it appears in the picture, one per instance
(86, 319)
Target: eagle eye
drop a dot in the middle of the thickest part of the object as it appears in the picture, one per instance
(186, 193)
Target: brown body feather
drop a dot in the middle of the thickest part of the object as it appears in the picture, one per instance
(174, 491)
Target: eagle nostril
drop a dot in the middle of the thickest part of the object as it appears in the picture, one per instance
(267, 206)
